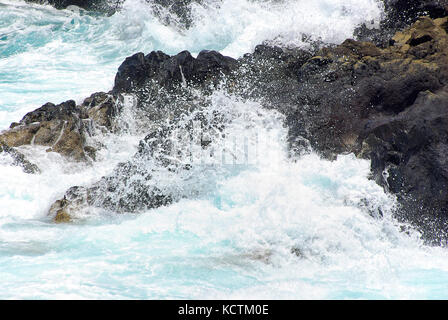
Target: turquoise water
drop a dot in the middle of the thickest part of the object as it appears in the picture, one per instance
(270, 229)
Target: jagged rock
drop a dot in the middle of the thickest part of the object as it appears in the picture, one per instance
(400, 14)
(151, 179)
(137, 69)
(404, 12)
(103, 109)
(413, 147)
(74, 200)
(65, 127)
(342, 87)
(167, 71)
(269, 74)
(388, 105)
(60, 127)
(19, 159)
(179, 8)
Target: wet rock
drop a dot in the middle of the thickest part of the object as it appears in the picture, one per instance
(103, 109)
(400, 14)
(19, 159)
(169, 71)
(137, 69)
(64, 128)
(130, 188)
(154, 177)
(105, 6)
(385, 103)
(170, 12)
(388, 105)
(75, 199)
(342, 87)
(405, 12)
(60, 127)
(179, 9)
(412, 149)
(269, 74)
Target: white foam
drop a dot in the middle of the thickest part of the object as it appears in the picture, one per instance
(274, 228)
(56, 55)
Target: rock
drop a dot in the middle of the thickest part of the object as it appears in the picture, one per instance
(385, 103)
(400, 14)
(102, 108)
(137, 69)
(363, 99)
(74, 200)
(65, 127)
(19, 159)
(388, 105)
(413, 147)
(62, 217)
(179, 12)
(60, 127)
(154, 177)
(342, 87)
(405, 12)
(130, 188)
(105, 6)
(181, 69)
(269, 74)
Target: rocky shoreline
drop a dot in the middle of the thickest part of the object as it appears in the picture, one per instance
(383, 97)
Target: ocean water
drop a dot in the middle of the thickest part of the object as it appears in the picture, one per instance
(272, 227)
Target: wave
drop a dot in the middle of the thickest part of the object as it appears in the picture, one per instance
(277, 227)
(56, 55)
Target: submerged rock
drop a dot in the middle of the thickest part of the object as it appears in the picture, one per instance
(73, 201)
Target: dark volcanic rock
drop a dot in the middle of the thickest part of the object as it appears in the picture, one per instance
(182, 68)
(388, 105)
(179, 8)
(154, 177)
(60, 127)
(404, 12)
(102, 108)
(398, 15)
(50, 111)
(106, 6)
(137, 69)
(342, 88)
(385, 103)
(409, 153)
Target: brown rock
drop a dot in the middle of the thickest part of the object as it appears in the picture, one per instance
(64, 128)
